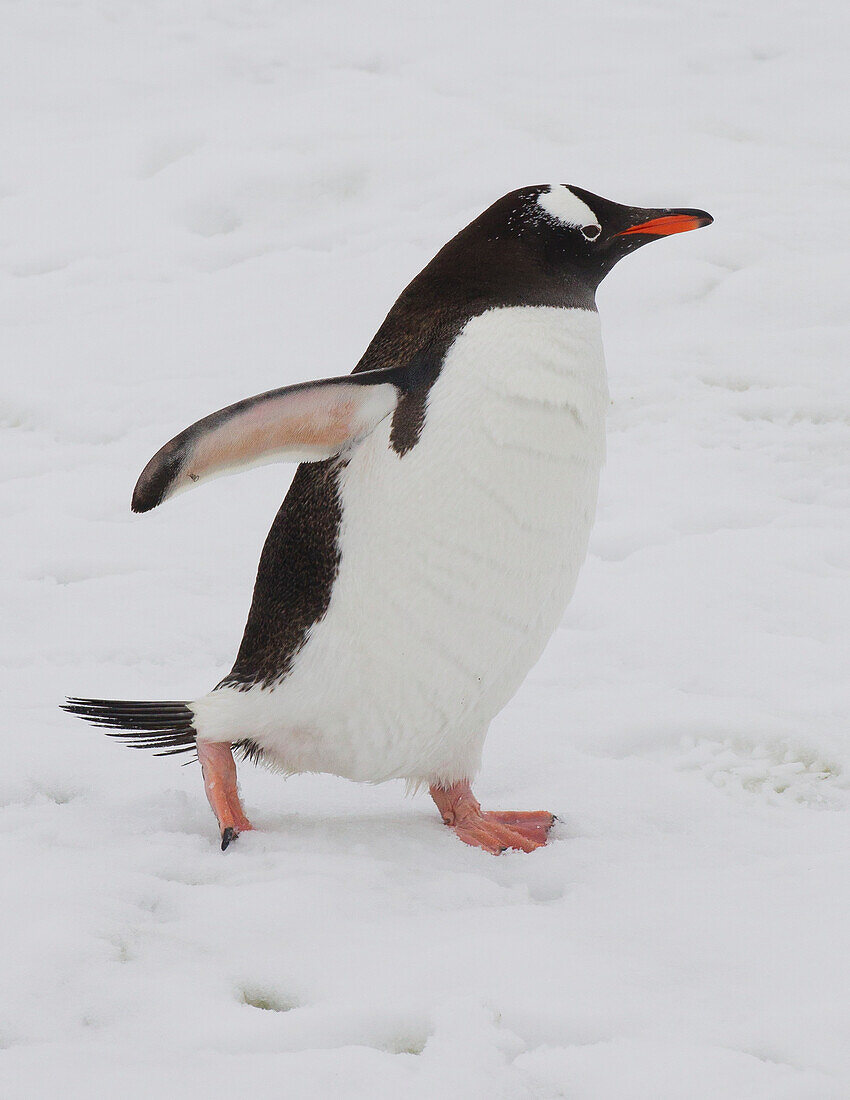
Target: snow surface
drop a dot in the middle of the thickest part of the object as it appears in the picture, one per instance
(205, 200)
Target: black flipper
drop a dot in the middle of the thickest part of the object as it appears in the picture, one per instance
(143, 725)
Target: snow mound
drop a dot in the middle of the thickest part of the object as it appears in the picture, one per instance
(782, 773)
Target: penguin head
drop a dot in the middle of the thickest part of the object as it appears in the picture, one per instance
(574, 234)
(597, 233)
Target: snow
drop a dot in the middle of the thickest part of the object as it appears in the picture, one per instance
(206, 200)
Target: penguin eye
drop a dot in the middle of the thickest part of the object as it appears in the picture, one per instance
(591, 232)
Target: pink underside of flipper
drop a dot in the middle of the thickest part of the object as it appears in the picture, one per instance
(493, 830)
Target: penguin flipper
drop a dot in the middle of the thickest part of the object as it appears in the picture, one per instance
(303, 423)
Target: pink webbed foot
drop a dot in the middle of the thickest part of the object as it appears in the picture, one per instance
(493, 830)
(219, 771)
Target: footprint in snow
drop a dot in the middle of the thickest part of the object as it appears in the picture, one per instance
(164, 152)
(208, 219)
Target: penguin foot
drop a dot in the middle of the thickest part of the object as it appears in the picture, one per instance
(493, 830)
(535, 824)
(219, 771)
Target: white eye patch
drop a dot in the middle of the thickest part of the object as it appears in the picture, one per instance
(561, 204)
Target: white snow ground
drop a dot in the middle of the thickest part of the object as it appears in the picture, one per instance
(201, 201)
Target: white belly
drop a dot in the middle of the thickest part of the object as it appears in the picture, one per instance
(457, 561)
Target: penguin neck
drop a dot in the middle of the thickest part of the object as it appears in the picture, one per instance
(462, 282)
(502, 273)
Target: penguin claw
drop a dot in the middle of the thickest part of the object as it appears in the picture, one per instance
(227, 835)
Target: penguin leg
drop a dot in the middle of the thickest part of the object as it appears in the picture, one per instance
(219, 771)
(493, 831)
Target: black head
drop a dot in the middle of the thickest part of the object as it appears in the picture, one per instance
(561, 236)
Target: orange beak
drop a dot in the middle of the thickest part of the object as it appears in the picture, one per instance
(670, 223)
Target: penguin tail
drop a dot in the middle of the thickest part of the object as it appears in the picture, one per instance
(166, 727)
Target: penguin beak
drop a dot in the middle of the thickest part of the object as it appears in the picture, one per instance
(668, 222)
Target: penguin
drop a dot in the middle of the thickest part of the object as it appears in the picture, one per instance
(435, 527)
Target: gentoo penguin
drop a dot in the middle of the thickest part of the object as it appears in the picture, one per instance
(433, 533)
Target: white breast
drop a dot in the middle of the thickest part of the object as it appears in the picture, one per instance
(457, 560)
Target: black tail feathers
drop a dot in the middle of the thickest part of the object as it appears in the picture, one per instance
(144, 725)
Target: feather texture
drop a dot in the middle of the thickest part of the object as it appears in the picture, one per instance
(165, 726)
